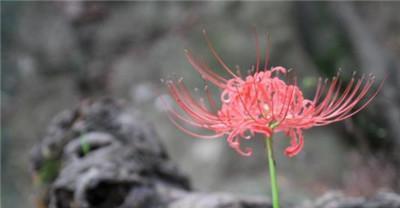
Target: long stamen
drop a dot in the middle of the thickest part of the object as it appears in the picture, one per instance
(352, 102)
(205, 71)
(348, 99)
(366, 103)
(266, 52)
(257, 51)
(210, 99)
(214, 52)
(190, 133)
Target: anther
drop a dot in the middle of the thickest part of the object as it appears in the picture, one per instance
(238, 70)
(338, 72)
(248, 72)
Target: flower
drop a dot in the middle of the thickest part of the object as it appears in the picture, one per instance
(263, 102)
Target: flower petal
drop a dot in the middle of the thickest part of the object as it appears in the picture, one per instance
(296, 143)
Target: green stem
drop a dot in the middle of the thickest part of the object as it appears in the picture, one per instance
(272, 172)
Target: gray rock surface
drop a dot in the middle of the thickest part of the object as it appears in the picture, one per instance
(338, 200)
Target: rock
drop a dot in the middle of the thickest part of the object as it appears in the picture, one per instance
(105, 155)
(338, 200)
(218, 200)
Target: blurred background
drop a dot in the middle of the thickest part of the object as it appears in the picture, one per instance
(55, 54)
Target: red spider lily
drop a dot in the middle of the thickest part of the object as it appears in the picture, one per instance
(264, 103)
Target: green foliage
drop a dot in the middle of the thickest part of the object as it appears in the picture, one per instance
(84, 146)
(49, 171)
